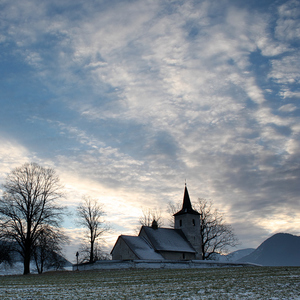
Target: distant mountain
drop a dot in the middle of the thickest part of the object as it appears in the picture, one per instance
(281, 249)
(238, 254)
(235, 255)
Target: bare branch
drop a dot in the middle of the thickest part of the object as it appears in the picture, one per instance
(149, 215)
(29, 204)
(90, 216)
(215, 234)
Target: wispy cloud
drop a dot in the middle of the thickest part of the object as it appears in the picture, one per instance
(127, 99)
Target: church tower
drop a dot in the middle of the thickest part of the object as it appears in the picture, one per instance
(188, 220)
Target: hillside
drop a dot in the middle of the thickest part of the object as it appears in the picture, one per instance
(281, 249)
(238, 254)
(233, 256)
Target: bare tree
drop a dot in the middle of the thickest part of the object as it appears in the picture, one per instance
(173, 209)
(215, 234)
(99, 253)
(47, 249)
(150, 215)
(90, 215)
(6, 252)
(27, 205)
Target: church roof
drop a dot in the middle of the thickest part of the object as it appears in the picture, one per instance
(186, 205)
(167, 239)
(141, 248)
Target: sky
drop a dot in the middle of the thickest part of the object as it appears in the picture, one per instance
(127, 100)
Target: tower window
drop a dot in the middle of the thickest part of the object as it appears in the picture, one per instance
(194, 222)
(180, 223)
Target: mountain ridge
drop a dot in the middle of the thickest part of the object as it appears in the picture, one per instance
(281, 249)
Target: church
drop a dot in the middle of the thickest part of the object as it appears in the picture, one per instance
(182, 242)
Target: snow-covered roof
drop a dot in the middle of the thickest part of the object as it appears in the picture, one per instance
(141, 247)
(167, 239)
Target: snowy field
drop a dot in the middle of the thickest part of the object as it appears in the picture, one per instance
(211, 283)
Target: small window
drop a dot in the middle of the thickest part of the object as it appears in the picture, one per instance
(180, 223)
(183, 255)
(194, 222)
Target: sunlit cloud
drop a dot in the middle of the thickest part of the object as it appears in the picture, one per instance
(128, 99)
(12, 155)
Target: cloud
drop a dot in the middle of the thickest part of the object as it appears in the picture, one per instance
(127, 99)
(11, 155)
(288, 108)
(288, 27)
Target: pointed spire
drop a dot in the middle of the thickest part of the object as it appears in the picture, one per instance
(186, 205)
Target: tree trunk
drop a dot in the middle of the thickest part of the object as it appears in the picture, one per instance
(203, 251)
(92, 252)
(26, 263)
(27, 255)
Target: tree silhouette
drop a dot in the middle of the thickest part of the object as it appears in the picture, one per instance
(29, 203)
(215, 234)
(90, 215)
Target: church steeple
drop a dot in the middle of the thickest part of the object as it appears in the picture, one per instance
(186, 205)
(188, 220)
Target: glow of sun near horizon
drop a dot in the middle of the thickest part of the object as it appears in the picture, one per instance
(128, 99)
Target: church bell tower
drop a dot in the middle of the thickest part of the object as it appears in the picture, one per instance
(188, 220)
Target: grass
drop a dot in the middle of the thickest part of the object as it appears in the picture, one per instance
(209, 283)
